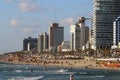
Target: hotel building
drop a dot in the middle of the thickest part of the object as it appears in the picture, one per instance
(105, 12)
(56, 36)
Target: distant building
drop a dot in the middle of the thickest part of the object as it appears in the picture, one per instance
(40, 43)
(30, 44)
(56, 36)
(65, 46)
(116, 33)
(104, 13)
(74, 37)
(79, 35)
(43, 42)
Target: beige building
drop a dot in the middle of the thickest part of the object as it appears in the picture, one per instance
(42, 42)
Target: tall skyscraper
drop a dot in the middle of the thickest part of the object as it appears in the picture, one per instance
(74, 37)
(30, 44)
(42, 44)
(56, 35)
(116, 32)
(105, 12)
(79, 35)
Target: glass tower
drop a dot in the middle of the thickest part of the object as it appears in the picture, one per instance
(116, 32)
(104, 14)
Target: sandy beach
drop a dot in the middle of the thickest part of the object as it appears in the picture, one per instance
(50, 60)
(84, 64)
(69, 63)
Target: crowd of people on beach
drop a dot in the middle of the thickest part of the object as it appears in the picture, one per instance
(47, 59)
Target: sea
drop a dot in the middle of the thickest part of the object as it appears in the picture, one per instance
(31, 72)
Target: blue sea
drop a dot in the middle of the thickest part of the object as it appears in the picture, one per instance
(31, 72)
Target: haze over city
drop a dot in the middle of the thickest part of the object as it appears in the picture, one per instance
(23, 18)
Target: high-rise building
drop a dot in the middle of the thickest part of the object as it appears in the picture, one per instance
(29, 44)
(56, 36)
(74, 37)
(79, 35)
(42, 44)
(105, 12)
(116, 32)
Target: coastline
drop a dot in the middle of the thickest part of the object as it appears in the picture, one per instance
(67, 63)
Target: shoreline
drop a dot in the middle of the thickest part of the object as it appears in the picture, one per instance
(67, 63)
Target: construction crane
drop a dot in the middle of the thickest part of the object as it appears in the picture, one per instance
(82, 20)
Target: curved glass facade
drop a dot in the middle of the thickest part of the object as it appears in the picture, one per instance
(104, 14)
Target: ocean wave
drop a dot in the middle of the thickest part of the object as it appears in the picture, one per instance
(97, 76)
(18, 71)
(80, 73)
(26, 78)
(92, 77)
(62, 70)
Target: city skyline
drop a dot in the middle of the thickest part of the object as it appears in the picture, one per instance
(23, 18)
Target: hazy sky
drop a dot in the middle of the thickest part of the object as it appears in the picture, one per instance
(22, 18)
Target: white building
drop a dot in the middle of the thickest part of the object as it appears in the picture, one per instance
(42, 42)
(65, 46)
(116, 33)
(74, 37)
(79, 35)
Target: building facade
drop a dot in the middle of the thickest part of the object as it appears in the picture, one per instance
(65, 46)
(30, 44)
(43, 42)
(74, 37)
(79, 35)
(116, 32)
(56, 36)
(104, 13)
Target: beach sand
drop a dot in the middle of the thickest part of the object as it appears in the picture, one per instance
(70, 63)
(87, 63)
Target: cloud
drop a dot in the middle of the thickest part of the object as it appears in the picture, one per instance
(67, 21)
(14, 22)
(27, 30)
(25, 7)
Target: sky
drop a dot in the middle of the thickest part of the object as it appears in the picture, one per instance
(22, 18)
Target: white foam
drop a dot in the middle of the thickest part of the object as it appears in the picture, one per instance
(26, 78)
(83, 73)
(98, 76)
(18, 71)
(63, 70)
(92, 77)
